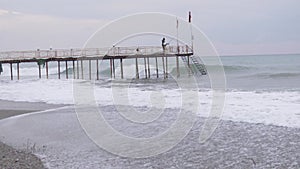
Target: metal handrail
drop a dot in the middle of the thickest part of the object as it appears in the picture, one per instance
(90, 52)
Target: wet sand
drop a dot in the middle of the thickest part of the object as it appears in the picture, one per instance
(11, 158)
(233, 144)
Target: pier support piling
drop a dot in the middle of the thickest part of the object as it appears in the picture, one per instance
(90, 69)
(58, 69)
(177, 66)
(189, 67)
(18, 70)
(97, 67)
(11, 72)
(73, 64)
(137, 68)
(67, 76)
(77, 62)
(163, 63)
(166, 67)
(121, 63)
(81, 62)
(47, 70)
(111, 71)
(114, 69)
(40, 72)
(148, 67)
(145, 62)
(77, 69)
(156, 64)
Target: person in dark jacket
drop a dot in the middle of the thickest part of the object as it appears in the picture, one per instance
(164, 44)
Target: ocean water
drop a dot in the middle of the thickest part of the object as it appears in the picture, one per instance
(260, 89)
(267, 72)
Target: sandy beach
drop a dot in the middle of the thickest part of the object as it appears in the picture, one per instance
(233, 145)
(11, 158)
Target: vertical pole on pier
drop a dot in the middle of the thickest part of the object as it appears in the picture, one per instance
(90, 69)
(97, 67)
(18, 70)
(163, 63)
(114, 70)
(188, 63)
(67, 70)
(177, 66)
(145, 62)
(11, 72)
(110, 68)
(148, 67)
(73, 62)
(121, 63)
(58, 69)
(81, 62)
(47, 71)
(156, 64)
(137, 68)
(166, 67)
(77, 62)
(40, 73)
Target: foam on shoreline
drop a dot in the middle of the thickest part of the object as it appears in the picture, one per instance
(280, 108)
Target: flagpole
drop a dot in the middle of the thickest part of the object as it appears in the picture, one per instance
(177, 35)
(192, 37)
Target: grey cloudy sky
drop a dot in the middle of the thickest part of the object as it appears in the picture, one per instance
(234, 26)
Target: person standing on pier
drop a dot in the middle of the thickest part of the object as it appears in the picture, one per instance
(164, 44)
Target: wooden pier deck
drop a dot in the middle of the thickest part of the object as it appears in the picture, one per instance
(42, 57)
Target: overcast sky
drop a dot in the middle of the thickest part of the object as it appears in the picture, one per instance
(234, 26)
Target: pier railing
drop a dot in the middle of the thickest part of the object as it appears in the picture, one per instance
(93, 52)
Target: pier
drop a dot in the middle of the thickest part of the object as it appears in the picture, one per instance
(74, 58)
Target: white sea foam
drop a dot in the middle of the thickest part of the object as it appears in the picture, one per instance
(28, 71)
(280, 108)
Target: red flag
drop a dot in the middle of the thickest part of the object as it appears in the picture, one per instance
(190, 16)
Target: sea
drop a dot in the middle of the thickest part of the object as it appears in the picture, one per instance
(259, 88)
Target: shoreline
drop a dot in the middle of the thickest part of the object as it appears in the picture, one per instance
(233, 144)
(15, 158)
